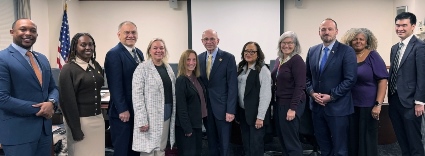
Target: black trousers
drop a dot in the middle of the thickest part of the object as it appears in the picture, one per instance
(288, 131)
(252, 138)
(189, 146)
(363, 133)
(407, 127)
(122, 137)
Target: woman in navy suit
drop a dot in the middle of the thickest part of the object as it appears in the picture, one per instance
(289, 80)
(191, 106)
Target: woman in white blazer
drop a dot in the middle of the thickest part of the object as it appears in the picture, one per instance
(154, 102)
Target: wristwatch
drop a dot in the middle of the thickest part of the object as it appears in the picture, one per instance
(53, 101)
(377, 103)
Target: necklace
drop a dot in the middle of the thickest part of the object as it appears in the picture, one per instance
(361, 54)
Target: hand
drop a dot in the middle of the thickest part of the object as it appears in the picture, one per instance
(46, 109)
(324, 99)
(375, 112)
(259, 123)
(419, 110)
(316, 97)
(290, 115)
(188, 135)
(144, 128)
(229, 117)
(124, 116)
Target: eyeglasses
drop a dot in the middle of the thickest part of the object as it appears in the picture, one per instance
(251, 52)
(287, 43)
(209, 39)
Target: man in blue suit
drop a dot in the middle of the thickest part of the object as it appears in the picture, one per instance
(331, 73)
(218, 74)
(406, 90)
(27, 95)
(120, 63)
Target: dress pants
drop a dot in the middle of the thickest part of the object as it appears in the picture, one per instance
(163, 143)
(287, 131)
(331, 133)
(252, 138)
(363, 138)
(122, 137)
(407, 127)
(218, 134)
(189, 145)
(40, 147)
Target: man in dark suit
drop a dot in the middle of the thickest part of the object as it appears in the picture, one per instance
(120, 63)
(218, 74)
(406, 91)
(331, 73)
(28, 95)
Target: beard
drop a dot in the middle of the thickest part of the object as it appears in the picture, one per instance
(327, 39)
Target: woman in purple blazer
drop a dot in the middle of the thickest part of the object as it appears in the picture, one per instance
(368, 92)
(289, 80)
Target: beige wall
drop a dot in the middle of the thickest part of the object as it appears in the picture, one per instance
(101, 19)
(157, 19)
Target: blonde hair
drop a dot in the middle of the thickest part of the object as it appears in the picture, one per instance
(165, 59)
(183, 60)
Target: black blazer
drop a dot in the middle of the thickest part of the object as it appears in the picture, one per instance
(188, 104)
(252, 100)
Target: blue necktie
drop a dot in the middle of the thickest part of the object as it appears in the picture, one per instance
(324, 59)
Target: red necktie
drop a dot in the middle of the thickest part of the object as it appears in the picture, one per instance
(35, 67)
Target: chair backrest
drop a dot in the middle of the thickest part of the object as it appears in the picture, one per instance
(55, 74)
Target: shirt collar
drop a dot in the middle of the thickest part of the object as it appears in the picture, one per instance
(84, 64)
(128, 48)
(330, 46)
(407, 40)
(214, 53)
(252, 67)
(21, 50)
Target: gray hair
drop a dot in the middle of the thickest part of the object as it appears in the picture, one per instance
(126, 22)
(293, 36)
(371, 41)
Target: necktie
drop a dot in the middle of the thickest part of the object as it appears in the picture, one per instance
(135, 55)
(324, 59)
(35, 67)
(209, 65)
(396, 62)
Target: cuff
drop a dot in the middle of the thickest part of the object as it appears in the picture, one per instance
(419, 102)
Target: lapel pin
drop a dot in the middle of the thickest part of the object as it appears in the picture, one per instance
(220, 59)
(333, 51)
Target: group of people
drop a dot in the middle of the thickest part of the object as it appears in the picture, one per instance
(151, 108)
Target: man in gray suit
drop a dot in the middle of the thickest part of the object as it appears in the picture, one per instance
(406, 91)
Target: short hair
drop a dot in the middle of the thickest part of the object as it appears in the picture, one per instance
(289, 34)
(183, 60)
(371, 41)
(125, 22)
(74, 42)
(258, 63)
(165, 59)
(406, 15)
(14, 23)
(330, 19)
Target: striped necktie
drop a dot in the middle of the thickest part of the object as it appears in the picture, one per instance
(396, 63)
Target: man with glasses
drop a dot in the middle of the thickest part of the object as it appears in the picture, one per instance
(218, 74)
(331, 73)
(120, 63)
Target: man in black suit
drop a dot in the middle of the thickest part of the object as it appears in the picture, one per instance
(219, 76)
(120, 63)
(331, 73)
(406, 91)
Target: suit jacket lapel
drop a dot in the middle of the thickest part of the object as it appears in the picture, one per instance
(217, 61)
(127, 53)
(331, 55)
(409, 48)
(43, 72)
(18, 56)
(316, 58)
(202, 64)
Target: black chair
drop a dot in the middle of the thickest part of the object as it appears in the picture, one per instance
(306, 133)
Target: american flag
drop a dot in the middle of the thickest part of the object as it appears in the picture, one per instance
(64, 41)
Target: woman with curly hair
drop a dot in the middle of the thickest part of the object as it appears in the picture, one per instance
(368, 92)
